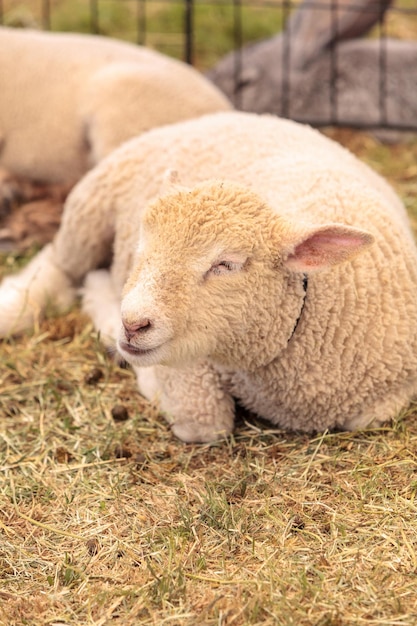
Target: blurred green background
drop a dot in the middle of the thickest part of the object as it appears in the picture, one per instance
(161, 23)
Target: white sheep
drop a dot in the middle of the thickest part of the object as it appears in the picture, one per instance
(67, 100)
(281, 271)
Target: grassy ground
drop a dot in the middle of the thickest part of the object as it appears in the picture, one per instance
(111, 520)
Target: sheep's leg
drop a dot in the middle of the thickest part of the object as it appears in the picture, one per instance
(193, 400)
(82, 243)
(24, 296)
(382, 410)
(102, 305)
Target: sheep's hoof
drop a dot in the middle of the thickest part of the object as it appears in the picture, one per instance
(193, 432)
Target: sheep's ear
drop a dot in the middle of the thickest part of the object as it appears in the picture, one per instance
(326, 246)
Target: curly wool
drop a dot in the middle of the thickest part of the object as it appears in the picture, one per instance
(210, 274)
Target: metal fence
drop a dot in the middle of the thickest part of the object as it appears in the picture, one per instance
(184, 33)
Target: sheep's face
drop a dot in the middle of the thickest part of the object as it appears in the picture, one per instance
(211, 279)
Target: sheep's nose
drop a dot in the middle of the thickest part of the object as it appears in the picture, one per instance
(141, 326)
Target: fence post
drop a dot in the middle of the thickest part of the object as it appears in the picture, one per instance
(189, 31)
(141, 22)
(46, 15)
(237, 34)
(333, 93)
(94, 26)
(383, 118)
(286, 59)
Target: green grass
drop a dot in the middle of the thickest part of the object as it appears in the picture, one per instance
(163, 22)
(160, 23)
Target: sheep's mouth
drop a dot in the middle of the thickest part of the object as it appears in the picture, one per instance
(135, 351)
(141, 357)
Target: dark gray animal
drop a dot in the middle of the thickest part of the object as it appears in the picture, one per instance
(374, 80)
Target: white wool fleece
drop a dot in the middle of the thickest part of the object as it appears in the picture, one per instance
(276, 268)
(67, 100)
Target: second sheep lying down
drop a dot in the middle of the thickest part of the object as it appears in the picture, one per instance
(281, 271)
(67, 100)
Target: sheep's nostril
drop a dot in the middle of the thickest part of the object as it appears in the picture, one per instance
(141, 326)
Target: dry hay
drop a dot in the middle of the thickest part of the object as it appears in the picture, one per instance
(111, 520)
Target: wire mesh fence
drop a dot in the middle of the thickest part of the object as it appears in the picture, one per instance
(339, 62)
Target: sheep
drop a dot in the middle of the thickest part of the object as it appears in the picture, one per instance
(251, 258)
(67, 100)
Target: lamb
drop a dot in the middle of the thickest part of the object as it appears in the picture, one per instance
(67, 100)
(252, 258)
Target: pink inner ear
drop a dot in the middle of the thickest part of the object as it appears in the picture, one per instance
(327, 247)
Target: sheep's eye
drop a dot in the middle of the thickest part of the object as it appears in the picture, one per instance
(225, 267)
